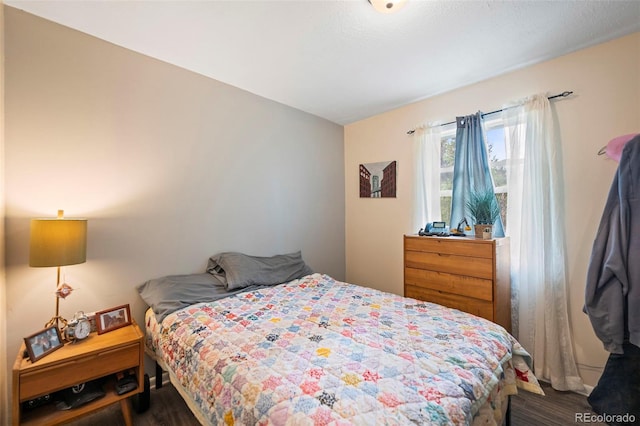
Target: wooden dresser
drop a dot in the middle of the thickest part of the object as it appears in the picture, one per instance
(468, 274)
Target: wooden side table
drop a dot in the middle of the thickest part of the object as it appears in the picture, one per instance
(97, 356)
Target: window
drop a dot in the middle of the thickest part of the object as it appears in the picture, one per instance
(447, 155)
(497, 152)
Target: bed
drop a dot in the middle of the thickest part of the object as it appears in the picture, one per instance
(312, 350)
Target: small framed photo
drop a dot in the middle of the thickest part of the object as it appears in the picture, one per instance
(43, 343)
(113, 318)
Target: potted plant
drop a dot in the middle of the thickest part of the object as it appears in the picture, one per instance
(484, 211)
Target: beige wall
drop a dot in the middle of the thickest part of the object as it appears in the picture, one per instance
(606, 103)
(168, 166)
(4, 398)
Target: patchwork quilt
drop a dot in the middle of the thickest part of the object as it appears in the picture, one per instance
(316, 351)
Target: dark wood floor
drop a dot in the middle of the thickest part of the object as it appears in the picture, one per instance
(555, 408)
(168, 409)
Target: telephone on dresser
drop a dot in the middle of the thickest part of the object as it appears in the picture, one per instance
(434, 229)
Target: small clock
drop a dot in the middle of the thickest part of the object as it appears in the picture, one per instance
(78, 328)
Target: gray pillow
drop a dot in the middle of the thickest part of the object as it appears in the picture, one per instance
(237, 270)
(168, 294)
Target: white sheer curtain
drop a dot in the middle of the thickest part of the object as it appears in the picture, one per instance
(535, 225)
(426, 145)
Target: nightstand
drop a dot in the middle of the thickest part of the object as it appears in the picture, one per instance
(98, 356)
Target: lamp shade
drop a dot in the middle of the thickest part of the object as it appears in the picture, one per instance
(58, 242)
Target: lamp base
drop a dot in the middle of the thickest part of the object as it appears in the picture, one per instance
(58, 321)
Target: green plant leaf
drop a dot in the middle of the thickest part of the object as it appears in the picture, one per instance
(483, 208)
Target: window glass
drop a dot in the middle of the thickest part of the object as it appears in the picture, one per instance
(447, 156)
(497, 153)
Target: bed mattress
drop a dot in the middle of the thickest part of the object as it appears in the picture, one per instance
(320, 351)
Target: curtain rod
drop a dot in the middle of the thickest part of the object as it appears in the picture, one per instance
(560, 95)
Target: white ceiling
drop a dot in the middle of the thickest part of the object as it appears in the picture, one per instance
(342, 60)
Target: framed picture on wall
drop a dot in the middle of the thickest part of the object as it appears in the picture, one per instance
(378, 180)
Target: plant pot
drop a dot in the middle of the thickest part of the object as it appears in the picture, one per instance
(483, 232)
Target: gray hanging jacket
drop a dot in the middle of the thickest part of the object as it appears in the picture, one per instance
(612, 296)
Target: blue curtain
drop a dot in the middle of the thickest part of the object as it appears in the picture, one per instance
(470, 169)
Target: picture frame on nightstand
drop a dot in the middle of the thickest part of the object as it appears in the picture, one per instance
(43, 343)
(112, 319)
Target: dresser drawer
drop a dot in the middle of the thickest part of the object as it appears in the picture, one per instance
(74, 371)
(477, 288)
(450, 245)
(480, 308)
(479, 267)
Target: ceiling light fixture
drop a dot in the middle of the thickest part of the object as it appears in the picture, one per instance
(387, 6)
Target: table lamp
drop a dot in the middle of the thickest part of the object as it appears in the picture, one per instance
(58, 242)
